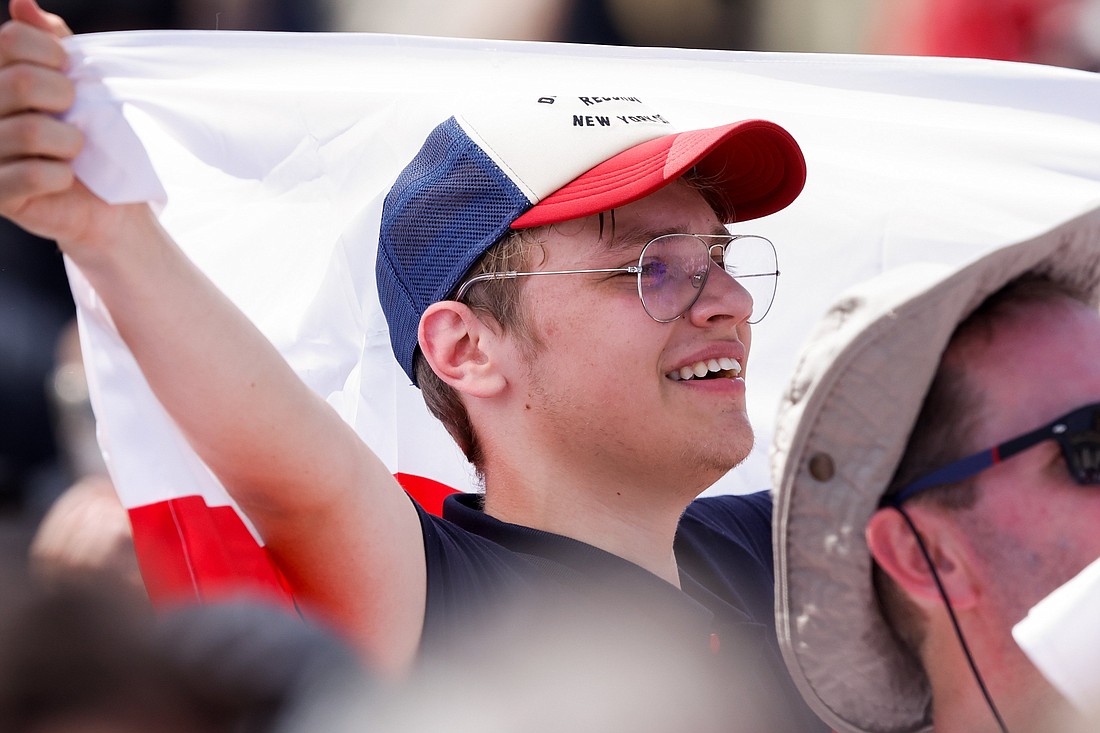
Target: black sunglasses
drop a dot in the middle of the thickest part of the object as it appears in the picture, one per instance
(1077, 433)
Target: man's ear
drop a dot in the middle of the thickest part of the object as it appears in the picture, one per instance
(461, 348)
(895, 548)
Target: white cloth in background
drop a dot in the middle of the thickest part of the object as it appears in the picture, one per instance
(1061, 636)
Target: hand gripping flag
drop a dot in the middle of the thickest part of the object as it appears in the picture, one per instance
(268, 156)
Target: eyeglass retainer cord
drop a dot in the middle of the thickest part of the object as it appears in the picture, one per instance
(954, 619)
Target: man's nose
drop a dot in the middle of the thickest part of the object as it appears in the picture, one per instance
(722, 297)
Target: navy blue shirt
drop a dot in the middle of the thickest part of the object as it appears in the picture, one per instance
(724, 607)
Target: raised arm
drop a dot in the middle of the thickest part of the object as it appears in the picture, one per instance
(329, 511)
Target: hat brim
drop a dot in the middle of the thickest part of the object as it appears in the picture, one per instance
(840, 433)
(751, 168)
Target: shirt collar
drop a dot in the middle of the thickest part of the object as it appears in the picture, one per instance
(693, 602)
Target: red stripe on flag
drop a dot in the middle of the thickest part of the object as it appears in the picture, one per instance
(427, 492)
(190, 552)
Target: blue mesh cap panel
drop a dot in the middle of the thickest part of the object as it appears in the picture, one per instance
(446, 208)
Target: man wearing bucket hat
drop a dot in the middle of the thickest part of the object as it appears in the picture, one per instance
(558, 278)
(935, 463)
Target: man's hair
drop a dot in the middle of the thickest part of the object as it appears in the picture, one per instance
(939, 437)
(498, 299)
(947, 419)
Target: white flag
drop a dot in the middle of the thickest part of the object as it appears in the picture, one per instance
(269, 156)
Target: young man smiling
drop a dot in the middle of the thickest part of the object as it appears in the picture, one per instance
(551, 269)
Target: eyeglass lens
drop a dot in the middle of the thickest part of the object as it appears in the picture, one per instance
(1082, 444)
(675, 268)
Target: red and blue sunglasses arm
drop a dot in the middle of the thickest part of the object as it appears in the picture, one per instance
(974, 464)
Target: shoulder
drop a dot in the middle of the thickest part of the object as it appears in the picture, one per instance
(468, 576)
(459, 558)
(724, 542)
(745, 518)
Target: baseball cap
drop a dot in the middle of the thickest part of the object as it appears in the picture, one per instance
(842, 428)
(537, 160)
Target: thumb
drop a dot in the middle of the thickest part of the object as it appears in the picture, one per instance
(27, 11)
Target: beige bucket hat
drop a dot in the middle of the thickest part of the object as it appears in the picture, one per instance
(842, 426)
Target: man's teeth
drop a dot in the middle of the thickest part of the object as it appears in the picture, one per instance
(703, 368)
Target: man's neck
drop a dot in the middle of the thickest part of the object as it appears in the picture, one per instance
(1024, 699)
(625, 521)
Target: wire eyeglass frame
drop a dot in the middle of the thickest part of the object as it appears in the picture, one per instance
(697, 279)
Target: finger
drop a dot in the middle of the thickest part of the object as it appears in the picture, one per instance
(22, 42)
(29, 12)
(23, 180)
(38, 136)
(25, 87)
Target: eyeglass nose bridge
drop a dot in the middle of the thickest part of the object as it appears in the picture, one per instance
(711, 262)
(700, 278)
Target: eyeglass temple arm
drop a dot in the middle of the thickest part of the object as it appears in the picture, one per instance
(964, 468)
(512, 274)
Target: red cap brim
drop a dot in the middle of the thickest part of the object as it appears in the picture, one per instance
(752, 168)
